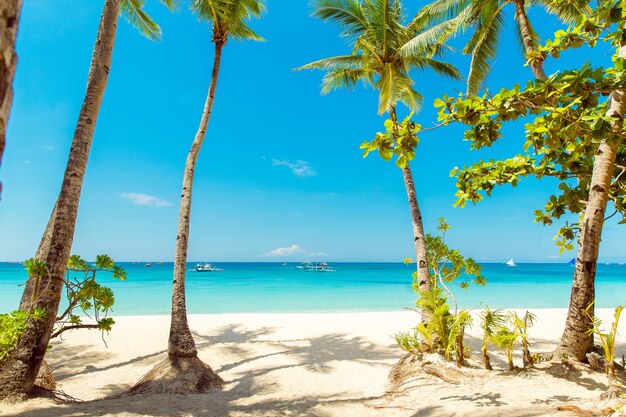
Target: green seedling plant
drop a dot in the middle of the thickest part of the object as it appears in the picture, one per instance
(490, 321)
(504, 338)
(444, 330)
(607, 340)
(521, 326)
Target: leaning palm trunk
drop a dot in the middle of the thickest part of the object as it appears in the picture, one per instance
(577, 340)
(525, 31)
(42, 250)
(182, 372)
(9, 16)
(17, 376)
(423, 275)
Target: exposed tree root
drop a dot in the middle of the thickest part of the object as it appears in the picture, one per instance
(45, 379)
(175, 375)
(431, 364)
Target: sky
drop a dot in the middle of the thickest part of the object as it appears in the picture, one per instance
(280, 176)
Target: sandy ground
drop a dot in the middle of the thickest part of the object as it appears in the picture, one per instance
(303, 365)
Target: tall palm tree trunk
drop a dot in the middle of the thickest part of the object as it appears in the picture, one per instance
(18, 374)
(182, 371)
(576, 340)
(525, 31)
(423, 275)
(9, 17)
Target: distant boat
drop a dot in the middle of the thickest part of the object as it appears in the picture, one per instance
(572, 262)
(318, 267)
(149, 265)
(285, 264)
(207, 267)
(510, 262)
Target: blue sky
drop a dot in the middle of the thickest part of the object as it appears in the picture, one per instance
(280, 176)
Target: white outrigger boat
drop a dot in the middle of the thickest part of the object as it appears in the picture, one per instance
(207, 267)
(317, 267)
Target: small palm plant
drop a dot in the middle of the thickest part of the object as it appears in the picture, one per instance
(608, 346)
(490, 320)
(521, 325)
(504, 338)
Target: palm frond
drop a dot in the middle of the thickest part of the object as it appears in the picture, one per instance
(336, 62)
(438, 11)
(483, 46)
(346, 14)
(423, 44)
(133, 11)
(346, 78)
(568, 10)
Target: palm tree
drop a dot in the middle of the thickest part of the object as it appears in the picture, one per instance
(18, 374)
(577, 339)
(490, 320)
(9, 17)
(386, 46)
(487, 19)
(182, 371)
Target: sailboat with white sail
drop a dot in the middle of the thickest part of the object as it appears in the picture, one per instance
(510, 262)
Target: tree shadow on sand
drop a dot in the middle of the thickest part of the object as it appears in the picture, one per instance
(247, 389)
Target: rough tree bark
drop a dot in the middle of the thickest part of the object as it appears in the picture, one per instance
(9, 17)
(527, 39)
(18, 375)
(576, 340)
(423, 274)
(182, 372)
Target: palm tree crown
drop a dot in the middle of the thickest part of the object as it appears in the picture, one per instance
(228, 17)
(386, 46)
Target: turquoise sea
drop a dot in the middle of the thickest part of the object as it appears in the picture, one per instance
(273, 287)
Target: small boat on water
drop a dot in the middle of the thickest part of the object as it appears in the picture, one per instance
(207, 267)
(305, 265)
(148, 265)
(318, 267)
(285, 264)
(510, 262)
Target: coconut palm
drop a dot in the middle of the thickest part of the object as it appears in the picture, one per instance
(182, 371)
(18, 374)
(486, 18)
(9, 17)
(386, 45)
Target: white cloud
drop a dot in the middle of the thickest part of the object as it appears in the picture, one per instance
(145, 200)
(26, 161)
(285, 251)
(48, 147)
(299, 168)
(317, 254)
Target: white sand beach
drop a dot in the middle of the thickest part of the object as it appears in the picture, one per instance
(331, 364)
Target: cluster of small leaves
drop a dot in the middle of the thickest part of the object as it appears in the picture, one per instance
(569, 122)
(12, 326)
(399, 139)
(448, 265)
(85, 293)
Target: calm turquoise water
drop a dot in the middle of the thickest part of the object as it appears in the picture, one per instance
(271, 287)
